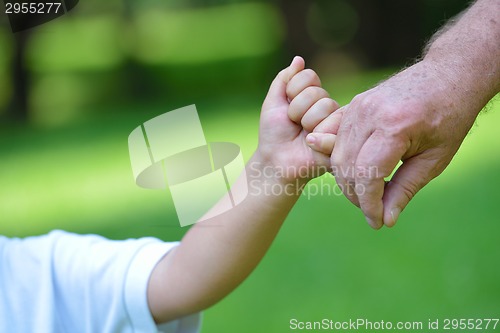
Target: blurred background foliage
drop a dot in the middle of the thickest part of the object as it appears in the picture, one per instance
(73, 89)
(123, 52)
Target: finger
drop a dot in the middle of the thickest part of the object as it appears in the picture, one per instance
(317, 113)
(276, 95)
(321, 142)
(300, 81)
(331, 123)
(321, 162)
(377, 159)
(351, 135)
(411, 177)
(304, 101)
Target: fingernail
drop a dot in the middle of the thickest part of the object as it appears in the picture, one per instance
(395, 214)
(310, 139)
(296, 58)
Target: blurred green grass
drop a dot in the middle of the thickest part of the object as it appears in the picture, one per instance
(440, 261)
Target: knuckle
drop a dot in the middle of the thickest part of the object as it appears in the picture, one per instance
(367, 172)
(330, 104)
(282, 74)
(324, 145)
(393, 119)
(293, 114)
(310, 75)
(306, 123)
(346, 126)
(366, 108)
(335, 161)
(347, 175)
(314, 93)
(408, 189)
(290, 93)
(372, 104)
(361, 100)
(398, 123)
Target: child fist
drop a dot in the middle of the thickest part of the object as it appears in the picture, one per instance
(295, 105)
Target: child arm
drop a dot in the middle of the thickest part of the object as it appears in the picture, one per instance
(216, 255)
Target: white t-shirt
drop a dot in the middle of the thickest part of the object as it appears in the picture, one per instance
(63, 282)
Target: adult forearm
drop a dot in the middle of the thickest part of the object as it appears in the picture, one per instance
(467, 53)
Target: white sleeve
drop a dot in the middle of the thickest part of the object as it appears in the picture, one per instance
(63, 282)
(135, 297)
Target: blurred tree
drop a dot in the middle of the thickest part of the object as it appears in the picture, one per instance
(298, 40)
(437, 12)
(385, 32)
(136, 83)
(18, 108)
(394, 32)
(389, 31)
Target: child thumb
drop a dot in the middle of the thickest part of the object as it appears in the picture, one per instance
(277, 92)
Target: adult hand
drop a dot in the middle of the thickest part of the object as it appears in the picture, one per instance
(419, 116)
(414, 117)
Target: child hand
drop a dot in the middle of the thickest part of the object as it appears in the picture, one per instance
(294, 106)
(322, 139)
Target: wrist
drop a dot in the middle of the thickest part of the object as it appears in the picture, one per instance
(262, 171)
(453, 86)
(472, 79)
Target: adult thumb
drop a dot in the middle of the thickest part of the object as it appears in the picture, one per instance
(411, 177)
